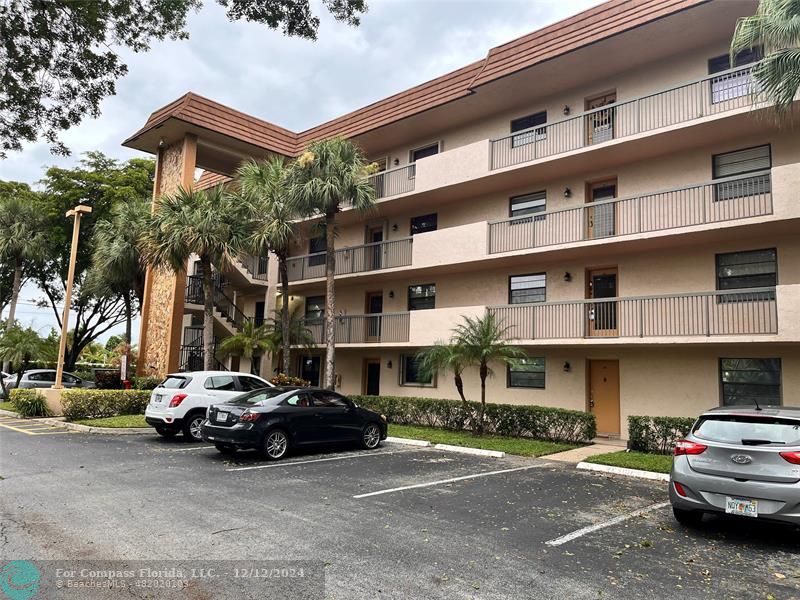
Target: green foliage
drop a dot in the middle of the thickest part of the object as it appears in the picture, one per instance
(29, 403)
(108, 379)
(112, 342)
(657, 435)
(537, 422)
(657, 463)
(115, 422)
(92, 404)
(282, 379)
(19, 346)
(146, 382)
(250, 341)
(85, 374)
(445, 357)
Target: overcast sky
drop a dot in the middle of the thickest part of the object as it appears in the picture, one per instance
(294, 83)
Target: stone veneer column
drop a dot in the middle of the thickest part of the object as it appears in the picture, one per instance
(162, 307)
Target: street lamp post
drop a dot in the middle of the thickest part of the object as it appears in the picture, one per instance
(76, 212)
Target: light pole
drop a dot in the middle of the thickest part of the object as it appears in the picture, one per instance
(76, 212)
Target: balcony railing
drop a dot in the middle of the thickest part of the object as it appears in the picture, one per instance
(363, 329)
(734, 312)
(721, 200)
(394, 181)
(226, 307)
(356, 259)
(711, 95)
(191, 358)
(256, 266)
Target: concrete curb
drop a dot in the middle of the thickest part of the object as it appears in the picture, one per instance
(8, 413)
(466, 450)
(623, 471)
(109, 430)
(408, 442)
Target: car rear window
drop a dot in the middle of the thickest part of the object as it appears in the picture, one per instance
(744, 429)
(174, 383)
(258, 396)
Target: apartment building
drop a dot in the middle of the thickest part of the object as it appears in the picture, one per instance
(609, 186)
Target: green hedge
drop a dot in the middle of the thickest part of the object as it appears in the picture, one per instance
(146, 382)
(538, 422)
(29, 403)
(95, 404)
(657, 435)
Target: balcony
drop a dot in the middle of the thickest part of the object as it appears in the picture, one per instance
(224, 307)
(394, 181)
(750, 312)
(355, 259)
(364, 329)
(716, 94)
(256, 267)
(702, 204)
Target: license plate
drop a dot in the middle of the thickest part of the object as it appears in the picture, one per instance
(741, 506)
(158, 398)
(222, 416)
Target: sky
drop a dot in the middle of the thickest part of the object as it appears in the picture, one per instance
(290, 82)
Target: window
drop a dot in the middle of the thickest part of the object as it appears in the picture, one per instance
(750, 380)
(220, 382)
(258, 318)
(250, 384)
(523, 289)
(527, 373)
(743, 270)
(316, 248)
(329, 400)
(421, 297)
(174, 382)
(71, 379)
(315, 308)
(410, 372)
(424, 152)
(732, 85)
(303, 400)
(527, 204)
(741, 162)
(42, 376)
(528, 122)
(424, 223)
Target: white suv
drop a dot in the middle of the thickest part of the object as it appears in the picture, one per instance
(179, 403)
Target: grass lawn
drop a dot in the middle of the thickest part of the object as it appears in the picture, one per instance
(509, 445)
(119, 421)
(658, 463)
(7, 406)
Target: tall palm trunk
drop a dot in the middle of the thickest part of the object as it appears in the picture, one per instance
(208, 314)
(330, 302)
(286, 342)
(484, 373)
(12, 307)
(126, 297)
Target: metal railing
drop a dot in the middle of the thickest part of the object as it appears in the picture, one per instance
(355, 259)
(715, 94)
(394, 181)
(256, 266)
(191, 358)
(224, 305)
(734, 312)
(725, 199)
(363, 329)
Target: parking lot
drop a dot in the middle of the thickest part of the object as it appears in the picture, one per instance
(398, 522)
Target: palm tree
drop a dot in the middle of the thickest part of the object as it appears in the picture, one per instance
(212, 224)
(483, 342)
(22, 240)
(19, 346)
(264, 187)
(251, 341)
(118, 268)
(299, 334)
(776, 29)
(329, 174)
(445, 357)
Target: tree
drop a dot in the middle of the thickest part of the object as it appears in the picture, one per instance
(329, 174)
(251, 341)
(482, 339)
(264, 187)
(212, 224)
(775, 28)
(22, 238)
(299, 334)
(60, 59)
(113, 342)
(444, 356)
(19, 346)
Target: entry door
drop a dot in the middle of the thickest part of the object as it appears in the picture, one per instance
(601, 219)
(600, 123)
(374, 253)
(373, 306)
(602, 316)
(310, 368)
(372, 377)
(604, 395)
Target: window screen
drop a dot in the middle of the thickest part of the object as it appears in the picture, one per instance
(527, 373)
(528, 123)
(523, 289)
(750, 380)
(421, 297)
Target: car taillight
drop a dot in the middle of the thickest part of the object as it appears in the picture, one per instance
(792, 457)
(249, 417)
(679, 489)
(176, 400)
(687, 447)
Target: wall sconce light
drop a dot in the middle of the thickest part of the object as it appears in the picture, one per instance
(394, 227)
(567, 276)
(389, 364)
(291, 298)
(566, 110)
(567, 367)
(162, 143)
(567, 192)
(396, 161)
(391, 293)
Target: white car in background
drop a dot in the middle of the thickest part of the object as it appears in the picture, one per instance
(179, 403)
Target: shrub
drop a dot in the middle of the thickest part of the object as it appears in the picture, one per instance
(283, 379)
(657, 434)
(95, 404)
(86, 375)
(107, 379)
(146, 382)
(29, 403)
(539, 422)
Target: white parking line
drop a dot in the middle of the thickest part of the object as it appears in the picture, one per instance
(451, 480)
(591, 528)
(189, 449)
(315, 460)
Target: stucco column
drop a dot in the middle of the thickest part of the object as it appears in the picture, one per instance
(162, 307)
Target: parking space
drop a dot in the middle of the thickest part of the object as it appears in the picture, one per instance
(31, 426)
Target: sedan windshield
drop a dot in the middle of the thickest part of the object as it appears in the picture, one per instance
(748, 430)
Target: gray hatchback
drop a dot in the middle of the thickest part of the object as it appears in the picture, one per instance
(740, 461)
